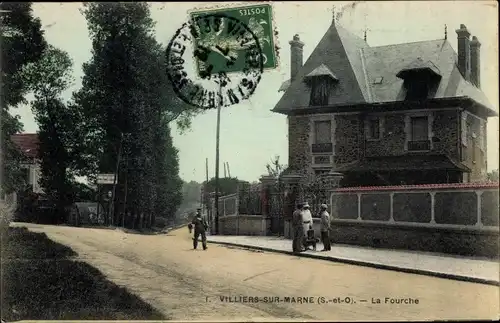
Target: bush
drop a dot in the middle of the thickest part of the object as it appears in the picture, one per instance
(6, 214)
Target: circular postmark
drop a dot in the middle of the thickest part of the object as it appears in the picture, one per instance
(214, 60)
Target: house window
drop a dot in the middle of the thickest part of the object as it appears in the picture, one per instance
(322, 132)
(417, 89)
(373, 128)
(419, 129)
(320, 91)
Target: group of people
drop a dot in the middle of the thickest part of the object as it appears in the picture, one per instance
(302, 222)
(200, 226)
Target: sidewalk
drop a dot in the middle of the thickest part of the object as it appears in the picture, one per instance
(424, 263)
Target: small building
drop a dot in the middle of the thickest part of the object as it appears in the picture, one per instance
(410, 113)
(28, 144)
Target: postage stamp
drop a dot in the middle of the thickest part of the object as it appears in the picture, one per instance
(226, 61)
(259, 19)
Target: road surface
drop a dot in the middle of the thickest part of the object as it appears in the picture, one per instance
(185, 284)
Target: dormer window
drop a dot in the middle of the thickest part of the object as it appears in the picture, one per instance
(417, 89)
(421, 80)
(321, 82)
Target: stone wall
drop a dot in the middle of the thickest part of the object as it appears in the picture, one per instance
(455, 218)
(350, 144)
(472, 154)
(348, 138)
(299, 152)
(245, 225)
(445, 127)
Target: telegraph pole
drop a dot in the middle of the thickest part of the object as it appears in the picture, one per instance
(217, 139)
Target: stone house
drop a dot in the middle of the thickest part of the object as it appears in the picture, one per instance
(410, 113)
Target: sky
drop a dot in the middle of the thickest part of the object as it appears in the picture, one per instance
(251, 135)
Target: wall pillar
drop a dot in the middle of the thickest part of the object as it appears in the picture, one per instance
(479, 195)
(359, 207)
(391, 207)
(267, 182)
(292, 196)
(433, 203)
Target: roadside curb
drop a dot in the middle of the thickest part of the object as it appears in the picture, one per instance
(366, 264)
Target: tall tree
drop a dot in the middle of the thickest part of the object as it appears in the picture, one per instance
(49, 77)
(168, 183)
(126, 104)
(22, 42)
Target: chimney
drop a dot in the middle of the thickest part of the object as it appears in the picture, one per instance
(296, 56)
(475, 62)
(464, 51)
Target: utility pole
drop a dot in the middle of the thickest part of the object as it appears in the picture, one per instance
(217, 139)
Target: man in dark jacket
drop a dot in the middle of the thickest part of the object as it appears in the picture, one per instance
(297, 229)
(200, 227)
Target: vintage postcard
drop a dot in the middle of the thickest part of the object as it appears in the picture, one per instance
(249, 161)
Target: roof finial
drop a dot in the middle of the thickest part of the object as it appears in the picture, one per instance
(445, 31)
(364, 37)
(333, 14)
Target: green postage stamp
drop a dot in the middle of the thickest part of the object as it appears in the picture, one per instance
(257, 19)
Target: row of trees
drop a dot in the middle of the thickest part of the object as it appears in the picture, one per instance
(118, 121)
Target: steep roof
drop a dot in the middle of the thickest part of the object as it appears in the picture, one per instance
(27, 143)
(370, 74)
(336, 51)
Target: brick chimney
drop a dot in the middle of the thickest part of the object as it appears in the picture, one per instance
(296, 56)
(464, 51)
(475, 62)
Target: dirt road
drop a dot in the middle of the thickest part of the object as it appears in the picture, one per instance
(199, 285)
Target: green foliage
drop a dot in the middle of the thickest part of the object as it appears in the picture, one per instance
(48, 78)
(227, 185)
(82, 192)
(493, 176)
(125, 108)
(191, 192)
(22, 43)
(275, 168)
(168, 183)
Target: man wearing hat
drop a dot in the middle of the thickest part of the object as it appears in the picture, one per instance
(200, 227)
(325, 228)
(307, 220)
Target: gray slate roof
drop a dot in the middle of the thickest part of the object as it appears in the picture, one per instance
(357, 67)
(321, 70)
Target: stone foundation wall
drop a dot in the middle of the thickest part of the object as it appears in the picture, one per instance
(459, 241)
(460, 218)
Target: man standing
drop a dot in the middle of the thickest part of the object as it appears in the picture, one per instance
(297, 229)
(200, 227)
(307, 221)
(325, 228)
